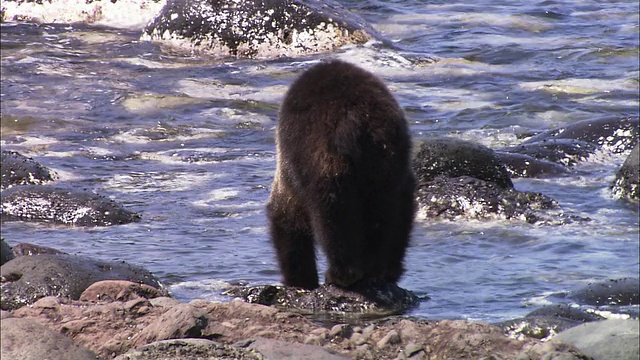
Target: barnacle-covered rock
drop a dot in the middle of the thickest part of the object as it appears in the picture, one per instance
(257, 28)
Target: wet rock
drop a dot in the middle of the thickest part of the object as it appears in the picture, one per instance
(129, 14)
(459, 178)
(368, 298)
(627, 185)
(619, 292)
(452, 158)
(546, 322)
(607, 339)
(613, 133)
(62, 206)
(119, 290)
(188, 349)
(26, 339)
(567, 152)
(27, 249)
(26, 279)
(257, 29)
(525, 166)
(469, 197)
(6, 253)
(18, 169)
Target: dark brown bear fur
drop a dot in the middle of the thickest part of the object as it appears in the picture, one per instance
(343, 179)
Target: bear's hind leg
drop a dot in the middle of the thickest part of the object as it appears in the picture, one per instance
(293, 240)
(338, 225)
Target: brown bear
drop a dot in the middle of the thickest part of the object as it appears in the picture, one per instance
(343, 179)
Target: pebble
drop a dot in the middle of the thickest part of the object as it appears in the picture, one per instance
(391, 338)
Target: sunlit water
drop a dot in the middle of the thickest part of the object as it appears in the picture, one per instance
(189, 143)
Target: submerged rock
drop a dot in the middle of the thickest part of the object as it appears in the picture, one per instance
(627, 185)
(368, 298)
(257, 29)
(26, 279)
(613, 133)
(62, 206)
(18, 169)
(525, 166)
(546, 322)
(567, 152)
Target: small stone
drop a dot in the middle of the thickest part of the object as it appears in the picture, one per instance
(342, 330)
(314, 340)
(412, 349)
(368, 331)
(391, 338)
(358, 339)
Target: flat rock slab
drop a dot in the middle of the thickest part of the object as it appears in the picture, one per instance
(365, 299)
(607, 339)
(26, 279)
(26, 339)
(189, 349)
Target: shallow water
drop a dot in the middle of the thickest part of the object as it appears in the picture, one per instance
(189, 143)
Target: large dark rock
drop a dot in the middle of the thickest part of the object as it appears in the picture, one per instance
(618, 292)
(459, 178)
(26, 279)
(368, 298)
(626, 185)
(6, 252)
(62, 206)
(26, 339)
(452, 158)
(18, 169)
(257, 28)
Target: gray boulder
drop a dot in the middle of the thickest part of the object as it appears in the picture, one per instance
(62, 206)
(26, 279)
(26, 339)
(257, 28)
(627, 185)
(605, 340)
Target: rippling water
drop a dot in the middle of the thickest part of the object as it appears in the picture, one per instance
(189, 143)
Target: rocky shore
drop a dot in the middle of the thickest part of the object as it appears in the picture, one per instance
(120, 311)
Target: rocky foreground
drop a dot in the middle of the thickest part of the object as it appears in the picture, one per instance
(130, 326)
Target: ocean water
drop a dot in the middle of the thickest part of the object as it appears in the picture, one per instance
(188, 142)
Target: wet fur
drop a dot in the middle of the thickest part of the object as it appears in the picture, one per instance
(343, 179)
